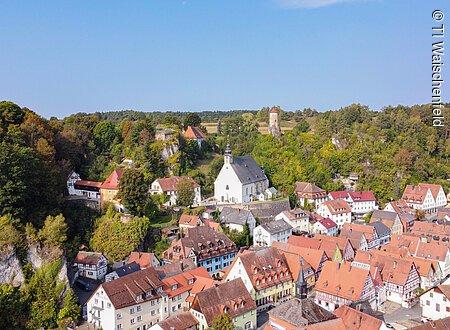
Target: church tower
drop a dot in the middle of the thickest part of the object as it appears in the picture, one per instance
(228, 156)
(274, 122)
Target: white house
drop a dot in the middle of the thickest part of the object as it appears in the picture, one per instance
(309, 193)
(141, 299)
(325, 226)
(337, 210)
(297, 218)
(360, 202)
(267, 233)
(241, 180)
(89, 190)
(425, 196)
(91, 265)
(168, 186)
(436, 302)
(235, 219)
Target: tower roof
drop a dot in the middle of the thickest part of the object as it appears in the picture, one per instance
(274, 110)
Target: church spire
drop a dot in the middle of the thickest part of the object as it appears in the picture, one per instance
(228, 156)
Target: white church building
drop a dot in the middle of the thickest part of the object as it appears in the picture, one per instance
(241, 180)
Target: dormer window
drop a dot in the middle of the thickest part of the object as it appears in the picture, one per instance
(191, 281)
(281, 275)
(257, 282)
(264, 280)
(255, 271)
(287, 273)
(138, 297)
(225, 309)
(270, 279)
(279, 263)
(275, 276)
(242, 304)
(174, 287)
(235, 306)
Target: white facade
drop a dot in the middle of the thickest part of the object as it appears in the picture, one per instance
(73, 177)
(91, 193)
(262, 236)
(340, 218)
(319, 228)
(95, 272)
(299, 222)
(429, 203)
(156, 189)
(229, 187)
(435, 305)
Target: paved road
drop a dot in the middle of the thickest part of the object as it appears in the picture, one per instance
(403, 314)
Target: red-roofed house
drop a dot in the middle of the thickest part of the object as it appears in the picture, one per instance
(337, 210)
(360, 202)
(91, 265)
(144, 259)
(326, 226)
(110, 188)
(424, 196)
(342, 284)
(309, 193)
(88, 190)
(189, 221)
(195, 133)
(168, 186)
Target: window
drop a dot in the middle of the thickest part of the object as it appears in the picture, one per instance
(438, 308)
(431, 294)
(108, 305)
(139, 318)
(132, 321)
(119, 316)
(132, 310)
(139, 308)
(119, 326)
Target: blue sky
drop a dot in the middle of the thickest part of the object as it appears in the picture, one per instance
(61, 57)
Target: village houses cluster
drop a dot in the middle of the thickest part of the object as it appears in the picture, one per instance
(332, 261)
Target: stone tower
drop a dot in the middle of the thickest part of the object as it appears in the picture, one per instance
(274, 122)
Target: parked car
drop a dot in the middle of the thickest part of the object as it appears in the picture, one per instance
(83, 285)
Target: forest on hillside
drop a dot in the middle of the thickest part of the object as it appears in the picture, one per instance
(387, 149)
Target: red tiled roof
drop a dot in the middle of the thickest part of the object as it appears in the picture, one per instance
(143, 259)
(86, 183)
(189, 220)
(112, 182)
(87, 258)
(264, 264)
(193, 132)
(309, 190)
(124, 291)
(328, 223)
(357, 320)
(337, 206)
(230, 297)
(274, 110)
(182, 281)
(181, 321)
(342, 280)
(170, 184)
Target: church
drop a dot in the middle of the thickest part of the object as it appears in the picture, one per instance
(241, 180)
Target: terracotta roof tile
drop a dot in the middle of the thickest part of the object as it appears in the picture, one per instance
(112, 182)
(356, 320)
(88, 258)
(170, 184)
(193, 132)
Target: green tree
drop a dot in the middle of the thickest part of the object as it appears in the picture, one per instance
(192, 119)
(133, 190)
(54, 231)
(70, 311)
(12, 307)
(185, 192)
(116, 238)
(222, 322)
(105, 135)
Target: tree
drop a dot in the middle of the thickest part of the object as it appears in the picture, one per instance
(70, 311)
(133, 190)
(192, 119)
(185, 192)
(222, 322)
(105, 135)
(54, 231)
(117, 239)
(12, 307)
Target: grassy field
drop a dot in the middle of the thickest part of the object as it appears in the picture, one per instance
(263, 127)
